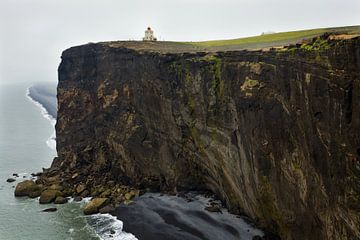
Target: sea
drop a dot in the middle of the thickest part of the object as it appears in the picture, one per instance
(27, 144)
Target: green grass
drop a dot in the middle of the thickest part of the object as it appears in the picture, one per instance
(271, 40)
(275, 37)
(250, 43)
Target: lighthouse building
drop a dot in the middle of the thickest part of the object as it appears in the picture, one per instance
(149, 35)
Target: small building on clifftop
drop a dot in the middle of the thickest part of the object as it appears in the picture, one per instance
(149, 35)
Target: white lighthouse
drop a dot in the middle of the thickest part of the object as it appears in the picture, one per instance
(149, 35)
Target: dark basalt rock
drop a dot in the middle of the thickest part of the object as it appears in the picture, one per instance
(60, 200)
(107, 209)
(49, 196)
(95, 205)
(275, 134)
(78, 199)
(35, 194)
(213, 208)
(50, 210)
(25, 188)
(10, 180)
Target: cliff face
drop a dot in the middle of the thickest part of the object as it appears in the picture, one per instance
(276, 134)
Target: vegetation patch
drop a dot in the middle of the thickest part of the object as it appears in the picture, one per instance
(271, 40)
(320, 44)
(249, 84)
(217, 83)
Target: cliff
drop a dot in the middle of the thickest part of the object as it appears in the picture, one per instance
(275, 134)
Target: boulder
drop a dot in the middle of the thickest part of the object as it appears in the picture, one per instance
(49, 196)
(56, 187)
(80, 188)
(36, 174)
(67, 192)
(10, 180)
(130, 195)
(135, 193)
(128, 202)
(95, 205)
(77, 199)
(106, 193)
(213, 208)
(106, 209)
(35, 194)
(60, 200)
(26, 187)
(85, 193)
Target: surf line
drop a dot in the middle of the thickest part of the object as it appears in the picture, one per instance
(51, 141)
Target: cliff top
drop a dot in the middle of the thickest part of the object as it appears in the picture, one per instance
(264, 41)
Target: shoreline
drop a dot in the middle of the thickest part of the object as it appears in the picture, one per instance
(158, 216)
(45, 112)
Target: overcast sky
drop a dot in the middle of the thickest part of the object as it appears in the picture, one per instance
(33, 33)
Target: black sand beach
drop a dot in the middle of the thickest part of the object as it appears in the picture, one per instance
(46, 95)
(156, 216)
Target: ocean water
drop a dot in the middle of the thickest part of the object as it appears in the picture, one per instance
(26, 145)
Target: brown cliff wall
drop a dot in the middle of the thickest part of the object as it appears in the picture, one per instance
(276, 134)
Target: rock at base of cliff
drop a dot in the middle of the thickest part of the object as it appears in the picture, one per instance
(35, 194)
(50, 210)
(95, 205)
(25, 188)
(77, 199)
(10, 180)
(107, 209)
(213, 208)
(60, 200)
(49, 196)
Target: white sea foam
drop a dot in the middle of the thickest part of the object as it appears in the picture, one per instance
(109, 227)
(51, 141)
(105, 226)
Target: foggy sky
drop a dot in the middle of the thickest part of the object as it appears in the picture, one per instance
(33, 33)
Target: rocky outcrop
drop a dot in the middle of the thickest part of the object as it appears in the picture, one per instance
(275, 134)
(49, 196)
(26, 188)
(95, 205)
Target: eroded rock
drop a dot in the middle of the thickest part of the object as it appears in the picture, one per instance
(50, 210)
(94, 205)
(49, 196)
(10, 180)
(26, 187)
(60, 200)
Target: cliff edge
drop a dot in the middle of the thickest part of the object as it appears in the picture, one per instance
(275, 134)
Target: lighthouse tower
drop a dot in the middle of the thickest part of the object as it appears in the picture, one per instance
(149, 35)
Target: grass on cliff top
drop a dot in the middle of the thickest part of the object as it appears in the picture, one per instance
(272, 40)
(250, 43)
